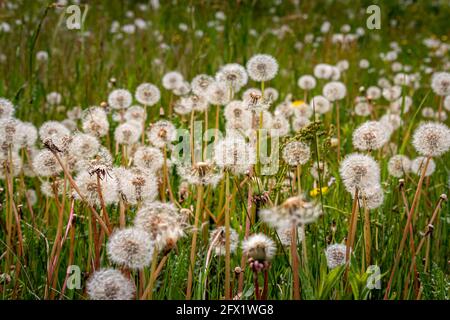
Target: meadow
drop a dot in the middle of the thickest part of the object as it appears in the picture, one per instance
(207, 150)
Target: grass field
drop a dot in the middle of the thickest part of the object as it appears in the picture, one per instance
(340, 197)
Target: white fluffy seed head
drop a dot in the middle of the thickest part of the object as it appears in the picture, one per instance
(334, 91)
(218, 93)
(399, 165)
(14, 164)
(131, 248)
(147, 94)
(120, 99)
(285, 235)
(200, 173)
(50, 129)
(259, 247)
(373, 93)
(217, 240)
(200, 84)
(234, 75)
(148, 158)
(128, 133)
(280, 126)
(293, 211)
(95, 122)
(83, 146)
(372, 196)
(307, 82)
(363, 109)
(234, 154)
(320, 104)
(6, 108)
(135, 113)
(262, 67)
(172, 80)
(359, 171)
(440, 83)
(45, 164)
(432, 139)
(392, 93)
(447, 103)
(87, 184)
(162, 133)
(136, 185)
(296, 153)
(162, 222)
(418, 164)
(371, 135)
(110, 284)
(323, 71)
(335, 255)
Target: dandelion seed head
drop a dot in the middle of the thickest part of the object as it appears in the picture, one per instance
(200, 173)
(217, 240)
(131, 248)
(109, 284)
(83, 146)
(359, 171)
(149, 158)
(45, 164)
(440, 83)
(398, 165)
(372, 196)
(320, 104)
(172, 80)
(371, 135)
(136, 185)
(307, 82)
(373, 93)
(200, 84)
(161, 133)
(431, 139)
(259, 247)
(323, 71)
(418, 163)
(135, 113)
(262, 67)
(299, 123)
(87, 184)
(293, 211)
(13, 162)
(280, 126)
(95, 122)
(234, 154)
(182, 89)
(234, 75)
(218, 93)
(162, 222)
(335, 255)
(54, 98)
(128, 133)
(147, 94)
(285, 235)
(334, 91)
(296, 153)
(6, 108)
(392, 93)
(120, 99)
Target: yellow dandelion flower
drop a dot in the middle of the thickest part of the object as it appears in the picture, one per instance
(297, 103)
(316, 191)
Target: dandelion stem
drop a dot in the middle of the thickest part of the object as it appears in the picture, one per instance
(294, 257)
(194, 241)
(227, 237)
(405, 231)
